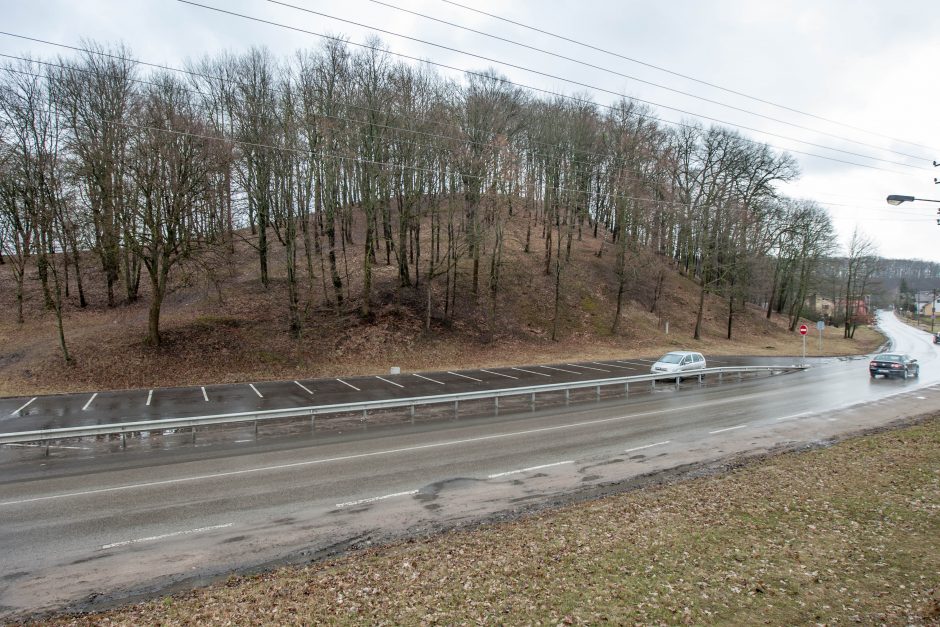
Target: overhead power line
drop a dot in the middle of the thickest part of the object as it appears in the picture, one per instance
(576, 83)
(687, 77)
(637, 79)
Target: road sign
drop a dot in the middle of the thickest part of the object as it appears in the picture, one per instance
(821, 325)
(802, 329)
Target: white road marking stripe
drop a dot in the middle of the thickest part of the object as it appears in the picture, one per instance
(204, 395)
(88, 404)
(407, 449)
(498, 374)
(430, 379)
(727, 429)
(374, 499)
(387, 381)
(304, 388)
(587, 367)
(457, 374)
(559, 369)
(541, 374)
(74, 448)
(601, 363)
(921, 398)
(792, 416)
(243, 441)
(515, 472)
(252, 386)
(105, 547)
(25, 405)
(640, 448)
(349, 384)
(149, 397)
(642, 362)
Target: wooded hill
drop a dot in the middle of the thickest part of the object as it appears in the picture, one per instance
(374, 194)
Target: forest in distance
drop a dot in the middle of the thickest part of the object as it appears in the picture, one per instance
(343, 159)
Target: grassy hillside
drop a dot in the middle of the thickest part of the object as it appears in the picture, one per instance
(221, 325)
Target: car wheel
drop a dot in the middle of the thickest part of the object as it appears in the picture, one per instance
(873, 375)
(917, 372)
(904, 374)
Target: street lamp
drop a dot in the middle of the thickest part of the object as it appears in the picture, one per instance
(897, 199)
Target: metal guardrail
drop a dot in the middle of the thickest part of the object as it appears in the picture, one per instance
(124, 428)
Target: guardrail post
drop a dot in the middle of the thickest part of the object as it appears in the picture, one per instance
(365, 419)
(677, 381)
(626, 390)
(47, 450)
(256, 429)
(701, 378)
(412, 411)
(496, 405)
(123, 440)
(720, 376)
(194, 433)
(456, 410)
(740, 375)
(567, 397)
(597, 394)
(532, 402)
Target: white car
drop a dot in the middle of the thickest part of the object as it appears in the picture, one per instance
(678, 361)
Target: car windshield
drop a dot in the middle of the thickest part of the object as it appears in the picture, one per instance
(888, 358)
(671, 358)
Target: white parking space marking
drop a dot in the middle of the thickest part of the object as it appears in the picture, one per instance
(252, 386)
(499, 374)
(88, 404)
(349, 384)
(113, 545)
(387, 381)
(149, 397)
(640, 448)
(25, 405)
(457, 374)
(530, 468)
(587, 367)
(304, 388)
(204, 395)
(430, 379)
(727, 429)
(541, 374)
(601, 363)
(633, 363)
(560, 369)
(375, 498)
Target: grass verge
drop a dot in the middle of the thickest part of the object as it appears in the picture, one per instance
(849, 533)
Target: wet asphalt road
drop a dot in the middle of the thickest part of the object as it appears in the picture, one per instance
(129, 523)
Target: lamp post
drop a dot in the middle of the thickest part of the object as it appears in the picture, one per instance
(897, 199)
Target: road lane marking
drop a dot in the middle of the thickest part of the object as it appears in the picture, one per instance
(252, 386)
(541, 374)
(25, 405)
(374, 499)
(354, 456)
(243, 441)
(304, 388)
(601, 363)
(204, 395)
(498, 374)
(587, 367)
(457, 374)
(88, 404)
(429, 379)
(74, 448)
(530, 468)
(149, 397)
(727, 429)
(640, 448)
(792, 416)
(560, 369)
(114, 545)
(387, 381)
(349, 384)
(632, 363)
(921, 398)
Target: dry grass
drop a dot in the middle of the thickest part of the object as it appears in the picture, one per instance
(848, 534)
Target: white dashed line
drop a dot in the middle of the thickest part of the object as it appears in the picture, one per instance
(105, 547)
(559, 369)
(430, 379)
(88, 404)
(633, 363)
(204, 395)
(601, 363)
(921, 398)
(374, 499)
(640, 448)
(587, 367)
(243, 441)
(387, 381)
(541, 374)
(727, 429)
(498, 374)
(252, 386)
(304, 388)
(25, 405)
(149, 397)
(457, 374)
(349, 384)
(530, 468)
(792, 416)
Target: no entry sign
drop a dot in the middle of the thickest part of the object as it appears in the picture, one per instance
(802, 329)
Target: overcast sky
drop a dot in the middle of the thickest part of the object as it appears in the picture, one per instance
(867, 66)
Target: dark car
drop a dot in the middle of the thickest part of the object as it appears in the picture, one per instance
(893, 365)
(936, 338)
